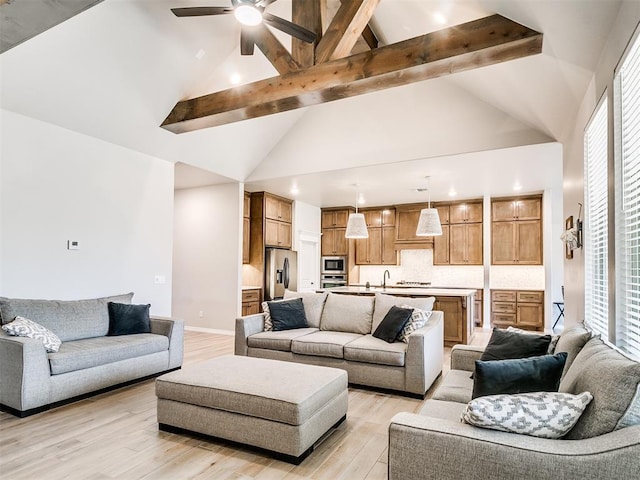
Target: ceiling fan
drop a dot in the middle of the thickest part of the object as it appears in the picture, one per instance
(250, 13)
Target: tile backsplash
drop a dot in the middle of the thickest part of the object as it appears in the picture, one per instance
(517, 277)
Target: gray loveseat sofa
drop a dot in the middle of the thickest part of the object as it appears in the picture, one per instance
(339, 335)
(604, 444)
(88, 361)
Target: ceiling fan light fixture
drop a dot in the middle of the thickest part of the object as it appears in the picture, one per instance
(248, 15)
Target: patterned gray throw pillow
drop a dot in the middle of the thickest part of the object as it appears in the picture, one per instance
(268, 323)
(539, 414)
(418, 320)
(23, 327)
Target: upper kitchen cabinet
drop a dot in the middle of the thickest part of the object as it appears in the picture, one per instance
(246, 227)
(334, 242)
(407, 217)
(271, 220)
(277, 208)
(516, 231)
(379, 248)
(504, 210)
(335, 218)
(461, 239)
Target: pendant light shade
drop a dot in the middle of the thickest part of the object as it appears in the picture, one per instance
(429, 223)
(356, 225)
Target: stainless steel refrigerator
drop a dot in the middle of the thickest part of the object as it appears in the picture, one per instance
(280, 272)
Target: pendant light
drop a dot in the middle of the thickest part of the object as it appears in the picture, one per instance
(429, 222)
(356, 225)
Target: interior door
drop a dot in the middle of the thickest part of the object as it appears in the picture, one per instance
(308, 266)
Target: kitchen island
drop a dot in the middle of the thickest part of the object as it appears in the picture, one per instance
(456, 303)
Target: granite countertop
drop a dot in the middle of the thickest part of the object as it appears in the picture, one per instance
(404, 291)
(251, 287)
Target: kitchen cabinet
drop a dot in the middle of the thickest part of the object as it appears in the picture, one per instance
(407, 217)
(461, 239)
(516, 232)
(458, 320)
(246, 228)
(277, 234)
(478, 308)
(277, 208)
(251, 301)
(334, 242)
(335, 218)
(465, 244)
(379, 248)
(517, 308)
(466, 212)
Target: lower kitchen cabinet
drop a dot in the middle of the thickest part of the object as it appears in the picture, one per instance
(458, 321)
(478, 308)
(517, 308)
(251, 301)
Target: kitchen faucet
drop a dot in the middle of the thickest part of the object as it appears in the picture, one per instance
(385, 275)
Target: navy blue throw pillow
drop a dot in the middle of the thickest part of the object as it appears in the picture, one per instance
(287, 315)
(126, 319)
(393, 323)
(518, 375)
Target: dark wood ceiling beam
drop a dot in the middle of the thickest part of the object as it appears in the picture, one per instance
(345, 29)
(471, 45)
(275, 52)
(310, 14)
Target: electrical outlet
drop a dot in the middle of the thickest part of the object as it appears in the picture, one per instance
(73, 245)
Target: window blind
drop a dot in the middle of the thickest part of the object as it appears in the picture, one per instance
(627, 128)
(596, 223)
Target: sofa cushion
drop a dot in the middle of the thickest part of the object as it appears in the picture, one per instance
(572, 341)
(456, 386)
(68, 319)
(539, 414)
(347, 313)
(92, 352)
(518, 375)
(287, 315)
(383, 304)
(612, 379)
(443, 410)
(393, 323)
(504, 345)
(23, 327)
(323, 344)
(369, 349)
(277, 340)
(313, 305)
(127, 319)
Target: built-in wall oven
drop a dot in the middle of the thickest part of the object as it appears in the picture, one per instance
(331, 281)
(334, 265)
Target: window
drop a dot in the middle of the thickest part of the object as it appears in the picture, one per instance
(627, 137)
(596, 229)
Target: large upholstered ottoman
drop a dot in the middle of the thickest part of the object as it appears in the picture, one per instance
(278, 406)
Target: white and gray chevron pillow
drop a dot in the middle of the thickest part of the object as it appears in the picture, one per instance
(268, 323)
(23, 327)
(539, 414)
(417, 320)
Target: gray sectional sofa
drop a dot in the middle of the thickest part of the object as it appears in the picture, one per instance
(32, 380)
(339, 335)
(605, 443)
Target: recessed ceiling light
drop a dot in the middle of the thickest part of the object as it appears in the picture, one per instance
(361, 200)
(452, 193)
(439, 18)
(235, 78)
(294, 190)
(517, 187)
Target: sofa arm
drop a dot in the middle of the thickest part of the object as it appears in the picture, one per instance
(24, 373)
(430, 448)
(463, 357)
(246, 326)
(425, 354)
(174, 329)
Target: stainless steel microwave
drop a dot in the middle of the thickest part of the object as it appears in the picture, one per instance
(332, 265)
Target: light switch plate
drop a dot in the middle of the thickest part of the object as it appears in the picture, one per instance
(73, 245)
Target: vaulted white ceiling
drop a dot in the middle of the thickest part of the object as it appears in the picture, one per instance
(115, 71)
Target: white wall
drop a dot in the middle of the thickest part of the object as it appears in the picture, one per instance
(207, 255)
(573, 173)
(58, 185)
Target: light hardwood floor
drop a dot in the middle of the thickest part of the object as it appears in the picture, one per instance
(115, 436)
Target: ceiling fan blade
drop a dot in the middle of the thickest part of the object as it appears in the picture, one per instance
(246, 42)
(264, 3)
(200, 11)
(291, 28)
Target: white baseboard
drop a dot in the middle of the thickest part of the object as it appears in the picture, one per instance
(210, 330)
